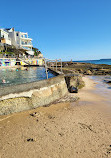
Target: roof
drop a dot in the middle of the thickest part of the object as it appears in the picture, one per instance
(7, 28)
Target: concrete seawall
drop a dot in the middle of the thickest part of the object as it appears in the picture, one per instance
(31, 95)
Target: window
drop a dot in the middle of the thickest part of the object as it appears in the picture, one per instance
(16, 34)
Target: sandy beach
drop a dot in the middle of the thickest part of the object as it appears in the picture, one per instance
(80, 129)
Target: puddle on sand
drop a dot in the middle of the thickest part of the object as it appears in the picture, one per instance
(102, 88)
(81, 103)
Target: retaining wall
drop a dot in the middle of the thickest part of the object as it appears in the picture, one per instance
(6, 62)
(31, 95)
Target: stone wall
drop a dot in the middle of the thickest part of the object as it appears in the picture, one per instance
(31, 95)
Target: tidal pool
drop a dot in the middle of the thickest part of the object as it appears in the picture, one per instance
(14, 76)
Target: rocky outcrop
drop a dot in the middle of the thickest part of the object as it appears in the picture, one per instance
(88, 72)
(86, 68)
(74, 81)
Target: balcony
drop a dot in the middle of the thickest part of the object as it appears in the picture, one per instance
(26, 39)
(27, 45)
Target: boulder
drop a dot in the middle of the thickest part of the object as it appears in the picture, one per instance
(80, 70)
(74, 82)
(88, 72)
(107, 80)
(73, 89)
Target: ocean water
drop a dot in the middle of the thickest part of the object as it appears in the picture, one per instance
(15, 76)
(103, 88)
(101, 61)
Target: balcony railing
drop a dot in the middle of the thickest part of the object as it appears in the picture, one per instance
(26, 38)
(26, 45)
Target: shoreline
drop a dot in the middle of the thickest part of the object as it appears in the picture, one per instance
(77, 130)
(88, 90)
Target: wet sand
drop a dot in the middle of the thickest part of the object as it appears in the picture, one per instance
(66, 130)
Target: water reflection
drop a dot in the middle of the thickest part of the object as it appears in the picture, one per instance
(102, 88)
(15, 76)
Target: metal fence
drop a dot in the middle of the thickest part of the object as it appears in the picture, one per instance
(53, 64)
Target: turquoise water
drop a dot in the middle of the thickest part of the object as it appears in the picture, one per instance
(101, 61)
(15, 76)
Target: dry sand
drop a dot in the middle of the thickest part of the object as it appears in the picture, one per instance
(65, 130)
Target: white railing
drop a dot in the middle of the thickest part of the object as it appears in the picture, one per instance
(49, 63)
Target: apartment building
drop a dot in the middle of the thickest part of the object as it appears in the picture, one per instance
(16, 38)
(4, 37)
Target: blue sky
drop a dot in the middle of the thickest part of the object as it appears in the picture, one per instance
(67, 29)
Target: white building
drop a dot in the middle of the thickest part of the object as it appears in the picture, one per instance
(18, 39)
(4, 37)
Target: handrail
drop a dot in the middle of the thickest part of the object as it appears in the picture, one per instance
(49, 61)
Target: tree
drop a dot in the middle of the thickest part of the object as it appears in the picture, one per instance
(36, 51)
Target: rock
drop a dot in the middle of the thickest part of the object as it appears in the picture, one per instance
(107, 80)
(30, 140)
(88, 72)
(32, 115)
(74, 80)
(80, 70)
(73, 89)
(35, 114)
